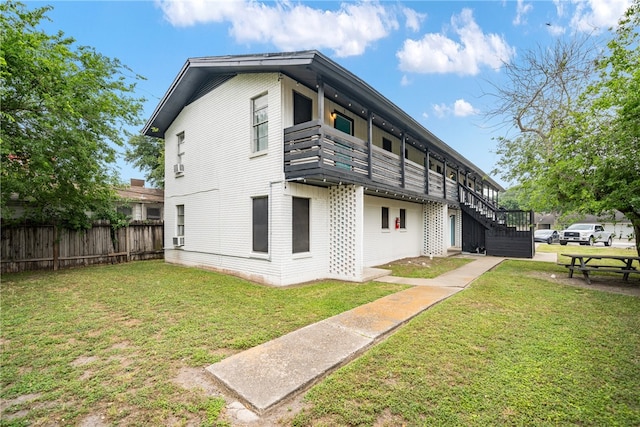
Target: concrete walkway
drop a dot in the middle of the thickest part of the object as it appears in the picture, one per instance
(266, 375)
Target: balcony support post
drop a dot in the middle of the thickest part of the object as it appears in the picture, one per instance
(321, 101)
(426, 171)
(370, 144)
(403, 147)
(444, 179)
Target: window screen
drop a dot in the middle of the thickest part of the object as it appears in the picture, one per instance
(300, 226)
(261, 224)
(180, 220)
(302, 107)
(386, 144)
(260, 123)
(385, 218)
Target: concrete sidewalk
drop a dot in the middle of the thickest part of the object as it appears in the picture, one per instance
(268, 374)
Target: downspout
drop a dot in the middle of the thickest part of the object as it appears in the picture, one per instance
(271, 217)
(403, 146)
(370, 143)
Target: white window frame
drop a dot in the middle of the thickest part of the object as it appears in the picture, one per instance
(180, 146)
(180, 221)
(260, 123)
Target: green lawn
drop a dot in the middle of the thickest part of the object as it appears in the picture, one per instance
(513, 349)
(586, 250)
(424, 267)
(110, 340)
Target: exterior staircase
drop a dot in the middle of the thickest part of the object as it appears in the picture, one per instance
(493, 231)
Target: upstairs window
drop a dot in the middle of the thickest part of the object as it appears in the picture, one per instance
(343, 123)
(386, 144)
(302, 107)
(260, 124)
(180, 220)
(178, 168)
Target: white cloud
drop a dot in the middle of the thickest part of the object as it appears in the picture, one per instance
(559, 7)
(441, 110)
(413, 18)
(405, 81)
(290, 26)
(598, 15)
(436, 53)
(521, 12)
(556, 30)
(462, 108)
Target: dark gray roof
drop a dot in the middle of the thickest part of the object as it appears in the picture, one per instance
(201, 75)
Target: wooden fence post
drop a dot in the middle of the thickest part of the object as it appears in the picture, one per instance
(56, 247)
(128, 244)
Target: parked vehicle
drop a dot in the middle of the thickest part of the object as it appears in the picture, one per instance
(546, 236)
(586, 234)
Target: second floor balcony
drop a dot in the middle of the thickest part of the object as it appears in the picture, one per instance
(321, 154)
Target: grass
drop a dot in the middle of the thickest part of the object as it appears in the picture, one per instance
(424, 267)
(513, 349)
(587, 250)
(109, 341)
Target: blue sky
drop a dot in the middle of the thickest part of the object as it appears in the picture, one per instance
(434, 59)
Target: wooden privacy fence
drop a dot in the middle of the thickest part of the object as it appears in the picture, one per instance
(36, 247)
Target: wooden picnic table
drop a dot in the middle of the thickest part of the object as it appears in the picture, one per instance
(581, 262)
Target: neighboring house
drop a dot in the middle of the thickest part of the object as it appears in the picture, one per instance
(286, 168)
(139, 203)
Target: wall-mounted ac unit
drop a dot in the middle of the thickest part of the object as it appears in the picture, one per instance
(178, 169)
(178, 241)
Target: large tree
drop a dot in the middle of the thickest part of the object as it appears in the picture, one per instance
(576, 111)
(64, 108)
(147, 154)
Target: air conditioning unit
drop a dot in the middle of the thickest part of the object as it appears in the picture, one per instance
(178, 169)
(178, 241)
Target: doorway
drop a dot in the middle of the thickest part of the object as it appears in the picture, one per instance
(452, 230)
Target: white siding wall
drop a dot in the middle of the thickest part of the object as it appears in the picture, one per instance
(382, 246)
(222, 175)
(304, 267)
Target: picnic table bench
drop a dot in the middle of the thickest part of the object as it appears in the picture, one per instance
(580, 262)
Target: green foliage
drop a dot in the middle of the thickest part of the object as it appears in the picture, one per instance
(147, 153)
(63, 110)
(586, 160)
(514, 198)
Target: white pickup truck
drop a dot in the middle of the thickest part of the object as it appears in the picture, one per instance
(586, 234)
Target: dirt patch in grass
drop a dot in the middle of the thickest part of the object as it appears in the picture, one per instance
(424, 267)
(600, 282)
(84, 360)
(196, 378)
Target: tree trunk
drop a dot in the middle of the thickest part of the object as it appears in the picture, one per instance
(636, 233)
(634, 217)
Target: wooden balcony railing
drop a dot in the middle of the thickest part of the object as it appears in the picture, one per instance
(316, 151)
